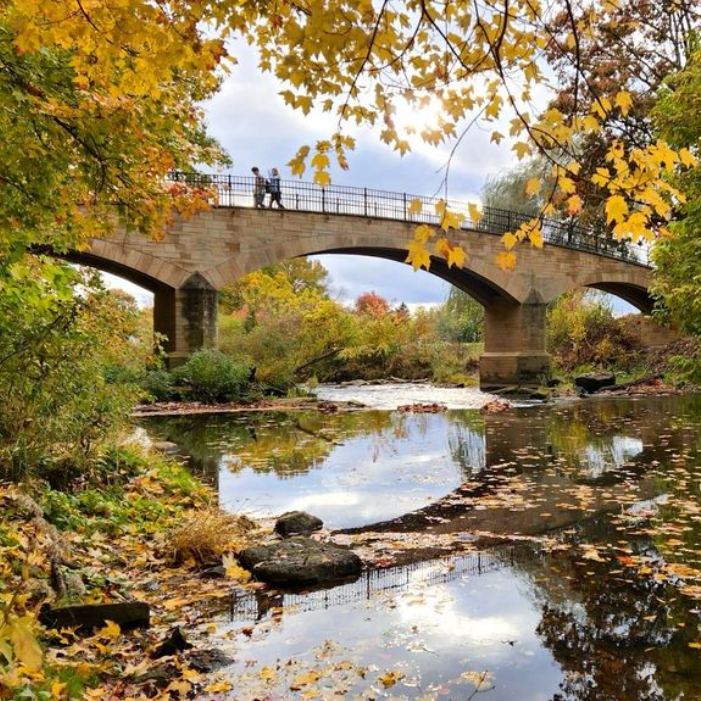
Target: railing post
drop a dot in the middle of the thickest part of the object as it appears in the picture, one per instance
(323, 199)
(231, 195)
(405, 206)
(365, 201)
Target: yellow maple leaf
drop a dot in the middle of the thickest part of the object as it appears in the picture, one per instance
(58, 690)
(423, 233)
(451, 220)
(234, 570)
(533, 186)
(567, 185)
(457, 256)
(305, 679)
(320, 161)
(474, 212)
(389, 679)
(506, 260)
(574, 204)
(616, 209)
(25, 644)
(492, 111)
(496, 137)
(414, 206)
(535, 236)
(687, 158)
(321, 177)
(418, 256)
(522, 149)
(624, 102)
(111, 631)
(591, 123)
(509, 240)
(267, 673)
(218, 687)
(442, 247)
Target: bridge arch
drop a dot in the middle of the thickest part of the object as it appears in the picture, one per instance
(480, 277)
(153, 273)
(630, 284)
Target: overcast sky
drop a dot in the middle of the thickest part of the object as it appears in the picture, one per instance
(251, 121)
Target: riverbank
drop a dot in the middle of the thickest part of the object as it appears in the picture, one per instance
(278, 404)
(390, 396)
(83, 565)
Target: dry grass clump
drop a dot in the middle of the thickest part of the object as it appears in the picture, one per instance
(206, 535)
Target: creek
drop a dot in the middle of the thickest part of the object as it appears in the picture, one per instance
(592, 592)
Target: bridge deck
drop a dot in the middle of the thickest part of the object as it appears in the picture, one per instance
(237, 191)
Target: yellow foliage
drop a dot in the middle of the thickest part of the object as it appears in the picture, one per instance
(418, 256)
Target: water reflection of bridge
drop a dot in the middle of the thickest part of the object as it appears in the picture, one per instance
(375, 582)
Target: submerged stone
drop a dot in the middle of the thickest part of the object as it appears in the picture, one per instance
(297, 523)
(300, 561)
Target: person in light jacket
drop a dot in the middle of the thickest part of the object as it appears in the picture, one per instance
(274, 189)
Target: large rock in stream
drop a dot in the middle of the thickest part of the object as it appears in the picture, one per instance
(300, 562)
(594, 381)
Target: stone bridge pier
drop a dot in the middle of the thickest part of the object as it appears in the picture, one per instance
(185, 318)
(514, 344)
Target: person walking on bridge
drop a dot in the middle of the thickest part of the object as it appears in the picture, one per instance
(274, 189)
(259, 188)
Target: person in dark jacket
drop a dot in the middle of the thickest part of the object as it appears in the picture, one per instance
(274, 189)
(259, 188)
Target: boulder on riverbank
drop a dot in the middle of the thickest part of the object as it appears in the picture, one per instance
(297, 523)
(300, 562)
(594, 381)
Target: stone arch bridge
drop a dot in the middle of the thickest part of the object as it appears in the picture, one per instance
(200, 255)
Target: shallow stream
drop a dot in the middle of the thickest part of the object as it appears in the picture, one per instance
(594, 593)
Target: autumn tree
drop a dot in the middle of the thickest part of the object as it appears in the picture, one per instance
(460, 319)
(630, 50)
(300, 273)
(282, 321)
(371, 304)
(678, 258)
(101, 100)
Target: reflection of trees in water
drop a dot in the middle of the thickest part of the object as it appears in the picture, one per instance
(589, 441)
(286, 443)
(466, 441)
(616, 637)
(601, 436)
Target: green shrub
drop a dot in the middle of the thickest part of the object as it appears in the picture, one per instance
(684, 369)
(158, 385)
(213, 376)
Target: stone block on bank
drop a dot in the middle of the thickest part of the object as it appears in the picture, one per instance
(127, 615)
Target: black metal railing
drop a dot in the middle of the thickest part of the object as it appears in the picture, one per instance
(238, 191)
